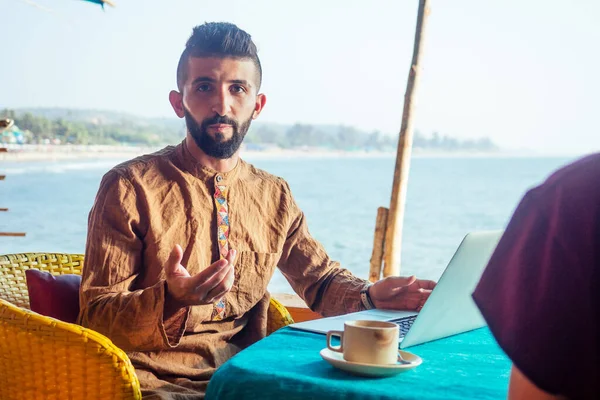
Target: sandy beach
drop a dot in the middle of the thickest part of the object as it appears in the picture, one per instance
(17, 153)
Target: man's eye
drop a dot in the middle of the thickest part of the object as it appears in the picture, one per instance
(237, 89)
(205, 87)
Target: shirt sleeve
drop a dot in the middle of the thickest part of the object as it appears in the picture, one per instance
(132, 319)
(326, 287)
(538, 293)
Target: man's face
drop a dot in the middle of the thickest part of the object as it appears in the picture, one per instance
(219, 100)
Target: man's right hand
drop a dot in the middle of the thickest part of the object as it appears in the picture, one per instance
(206, 287)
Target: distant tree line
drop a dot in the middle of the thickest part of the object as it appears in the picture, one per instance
(350, 138)
(310, 136)
(39, 129)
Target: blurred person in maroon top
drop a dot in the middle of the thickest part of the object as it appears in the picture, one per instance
(540, 291)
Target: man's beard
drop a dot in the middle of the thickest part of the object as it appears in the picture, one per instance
(216, 147)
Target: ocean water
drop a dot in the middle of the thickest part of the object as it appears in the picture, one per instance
(447, 198)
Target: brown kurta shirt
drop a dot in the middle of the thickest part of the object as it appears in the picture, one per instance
(147, 205)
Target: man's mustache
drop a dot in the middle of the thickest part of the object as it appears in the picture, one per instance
(218, 119)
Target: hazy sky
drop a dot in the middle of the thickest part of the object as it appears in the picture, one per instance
(525, 73)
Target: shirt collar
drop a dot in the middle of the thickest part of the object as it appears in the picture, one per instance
(206, 174)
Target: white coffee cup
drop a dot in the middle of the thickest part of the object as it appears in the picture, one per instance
(367, 342)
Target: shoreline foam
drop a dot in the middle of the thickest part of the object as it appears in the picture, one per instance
(30, 153)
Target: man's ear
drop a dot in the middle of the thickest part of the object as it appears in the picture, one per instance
(176, 100)
(261, 100)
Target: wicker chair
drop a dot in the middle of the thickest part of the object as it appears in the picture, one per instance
(41, 357)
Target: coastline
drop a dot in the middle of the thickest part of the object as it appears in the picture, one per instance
(27, 153)
(31, 153)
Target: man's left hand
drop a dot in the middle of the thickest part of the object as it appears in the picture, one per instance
(401, 293)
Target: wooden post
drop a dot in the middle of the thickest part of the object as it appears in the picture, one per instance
(5, 124)
(378, 244)
(393, 235)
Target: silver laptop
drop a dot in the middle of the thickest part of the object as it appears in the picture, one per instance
(450, 310)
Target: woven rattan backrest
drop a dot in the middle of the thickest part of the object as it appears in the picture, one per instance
(13, 286)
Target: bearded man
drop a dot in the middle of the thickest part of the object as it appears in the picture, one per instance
(182, 243)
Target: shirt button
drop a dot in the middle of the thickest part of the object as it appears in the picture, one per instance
(219, 178)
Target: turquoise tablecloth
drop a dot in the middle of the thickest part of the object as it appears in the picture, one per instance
(287, 365)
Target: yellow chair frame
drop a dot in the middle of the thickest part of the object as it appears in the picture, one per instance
(42, 357)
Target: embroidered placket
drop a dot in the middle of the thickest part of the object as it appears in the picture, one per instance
(222, 236)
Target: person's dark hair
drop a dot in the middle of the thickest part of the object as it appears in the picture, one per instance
(218, 39)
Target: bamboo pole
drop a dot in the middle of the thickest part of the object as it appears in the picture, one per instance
(378, 244)
(19, 234)
(3, 209)
(393, 235)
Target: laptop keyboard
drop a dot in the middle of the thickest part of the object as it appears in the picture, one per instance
(404, 324)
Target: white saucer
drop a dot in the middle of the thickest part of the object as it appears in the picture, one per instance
(337, 360)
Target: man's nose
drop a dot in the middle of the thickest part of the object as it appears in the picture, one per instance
(222, 103)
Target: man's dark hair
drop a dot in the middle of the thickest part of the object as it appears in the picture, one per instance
(218, 39)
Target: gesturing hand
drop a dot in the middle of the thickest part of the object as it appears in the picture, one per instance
(205, 287)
